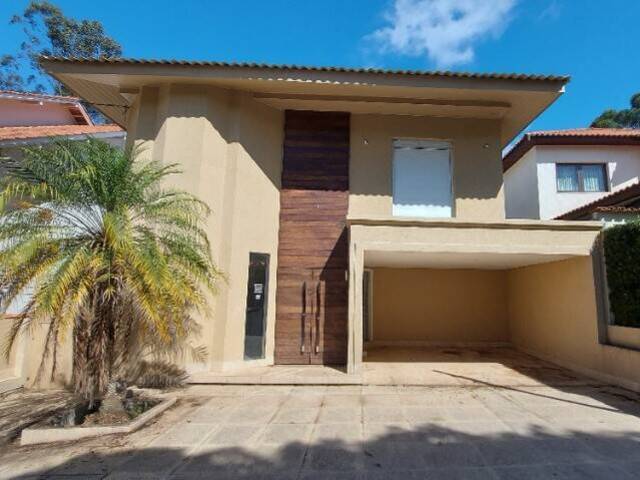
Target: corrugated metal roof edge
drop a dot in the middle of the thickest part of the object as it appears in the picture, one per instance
(196, 63)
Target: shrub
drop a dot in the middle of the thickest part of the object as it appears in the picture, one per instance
(622, 253)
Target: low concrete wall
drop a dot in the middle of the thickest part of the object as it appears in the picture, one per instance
(553, 315)
(434, 306)
(627, 337)
(35, 435)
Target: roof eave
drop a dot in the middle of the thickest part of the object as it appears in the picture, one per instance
(49, 61)
(528, 141)
(21, 142)
(625, 195)
(114, 104)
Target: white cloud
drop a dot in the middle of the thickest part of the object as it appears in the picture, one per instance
(444, 30)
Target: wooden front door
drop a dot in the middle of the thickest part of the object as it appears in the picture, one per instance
(311, 296)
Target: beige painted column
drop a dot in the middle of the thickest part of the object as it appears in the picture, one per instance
(355, 345)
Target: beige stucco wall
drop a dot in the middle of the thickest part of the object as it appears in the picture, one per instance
(7, 365)
(553, 315)
(23, 365)
(438, 306)
(31, 358)
(229, 148)
(477, 165)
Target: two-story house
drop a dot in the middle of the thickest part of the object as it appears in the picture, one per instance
(549, 174)
(354, 208)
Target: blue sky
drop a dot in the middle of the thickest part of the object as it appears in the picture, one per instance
(594, 41)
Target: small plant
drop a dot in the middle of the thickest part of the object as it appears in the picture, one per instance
(105, 253)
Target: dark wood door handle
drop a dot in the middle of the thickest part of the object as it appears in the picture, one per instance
(318, 313)
(303, 317)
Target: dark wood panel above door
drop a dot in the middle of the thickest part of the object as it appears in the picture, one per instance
(311, 297)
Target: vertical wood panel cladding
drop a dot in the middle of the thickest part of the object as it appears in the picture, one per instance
(313, 245)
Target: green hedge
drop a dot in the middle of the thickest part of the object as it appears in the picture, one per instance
(622, 254)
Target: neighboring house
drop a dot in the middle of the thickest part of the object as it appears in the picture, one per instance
(550, 173)
(36, 118)
(354, 208)
(620, 206)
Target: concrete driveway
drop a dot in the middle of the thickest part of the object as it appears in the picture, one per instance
(279, 432)
(417, 366)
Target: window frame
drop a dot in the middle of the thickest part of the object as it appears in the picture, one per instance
(605, 172)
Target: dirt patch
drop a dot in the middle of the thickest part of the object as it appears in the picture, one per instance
(106, 418)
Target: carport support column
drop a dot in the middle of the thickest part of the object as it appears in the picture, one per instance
(356, 267)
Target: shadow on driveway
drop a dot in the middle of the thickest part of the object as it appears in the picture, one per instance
(429, 451)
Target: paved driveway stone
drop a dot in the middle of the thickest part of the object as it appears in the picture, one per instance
(367, 433)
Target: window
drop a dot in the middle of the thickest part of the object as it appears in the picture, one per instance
(421, 179)
(256, 314)
(576, 177)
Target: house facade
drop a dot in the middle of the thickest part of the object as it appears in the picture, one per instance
(35, 118)
(357, 208)
(550, 173)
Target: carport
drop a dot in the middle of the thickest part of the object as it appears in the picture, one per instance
(444, 319)
(454, 303)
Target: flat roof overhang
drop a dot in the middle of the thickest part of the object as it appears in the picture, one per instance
(460, 260)
(515, 100)
(451, 243)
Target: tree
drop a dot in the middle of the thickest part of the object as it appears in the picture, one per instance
(49, 32)
(10, 76)
(105, 255)
(626, 118)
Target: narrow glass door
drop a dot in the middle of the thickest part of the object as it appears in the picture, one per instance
(366, 305)
(256, 316)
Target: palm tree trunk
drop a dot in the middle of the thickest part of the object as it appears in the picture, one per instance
(80, 345)
(94, 343)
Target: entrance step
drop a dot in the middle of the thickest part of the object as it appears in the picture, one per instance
(279, 375)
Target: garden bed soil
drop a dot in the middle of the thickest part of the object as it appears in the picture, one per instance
(83, 420)
(84, 414)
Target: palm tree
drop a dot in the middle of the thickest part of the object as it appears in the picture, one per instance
(104, 253)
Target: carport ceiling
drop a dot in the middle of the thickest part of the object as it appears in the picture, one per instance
(485, 261)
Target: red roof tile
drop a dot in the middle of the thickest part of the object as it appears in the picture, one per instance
(22, 133)
(588, 132)
(575, 136)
